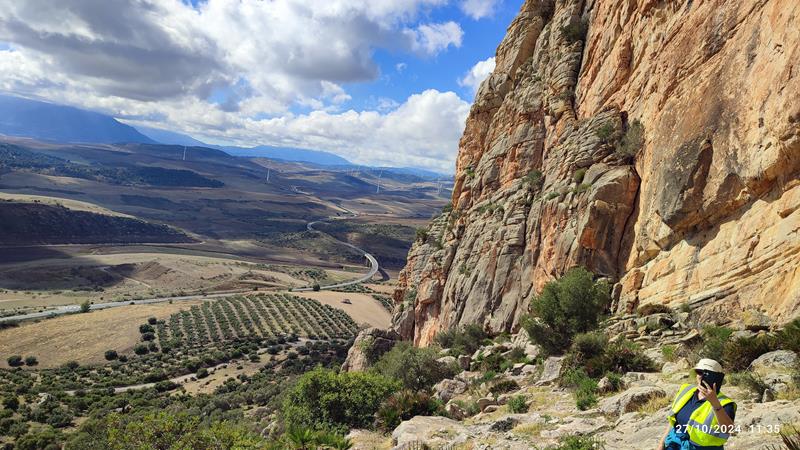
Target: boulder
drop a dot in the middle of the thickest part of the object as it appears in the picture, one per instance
(604, 386)
(681, 365)
(490, 409)
(447, 360)
(630, 399)
(551, 370)
(779, 359)
(446, 389)
(454, 411)
(434, 431)
(369, 345)
(484, 402)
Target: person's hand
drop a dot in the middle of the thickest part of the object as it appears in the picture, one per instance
(710, 393)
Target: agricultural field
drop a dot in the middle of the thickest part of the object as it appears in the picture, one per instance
(58, 372)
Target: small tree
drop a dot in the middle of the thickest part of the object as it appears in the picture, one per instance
(140, 349)
(31, 361)
(152, 320)
(571, 305)
(14, 360)
(111, 355)
(86, 306)
(316, 287)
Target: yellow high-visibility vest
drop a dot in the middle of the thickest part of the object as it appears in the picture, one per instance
(703, 427)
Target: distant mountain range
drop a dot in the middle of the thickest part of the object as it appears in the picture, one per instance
(48, 121)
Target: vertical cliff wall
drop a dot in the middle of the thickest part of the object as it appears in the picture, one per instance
(656, 143)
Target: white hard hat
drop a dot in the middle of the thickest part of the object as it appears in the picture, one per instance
(709, 364)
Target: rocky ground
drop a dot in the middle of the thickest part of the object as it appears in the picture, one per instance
(633, 417)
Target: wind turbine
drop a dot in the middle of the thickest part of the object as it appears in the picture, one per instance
(268, 170)
(184, 153)
(378, 190)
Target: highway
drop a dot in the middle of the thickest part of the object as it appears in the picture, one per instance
(72, 309)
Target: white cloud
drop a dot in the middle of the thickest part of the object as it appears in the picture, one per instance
(432, 38)
(400, 67)
(477, 74)
(478, 9)
(157, 63)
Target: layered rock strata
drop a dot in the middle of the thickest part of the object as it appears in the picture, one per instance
(655, 143)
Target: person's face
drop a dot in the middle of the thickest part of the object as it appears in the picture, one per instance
(699, 378)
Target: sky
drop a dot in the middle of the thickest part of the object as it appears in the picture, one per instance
(379, 82)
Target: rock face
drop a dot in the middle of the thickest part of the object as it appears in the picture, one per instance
(368, 347)
(661, 150)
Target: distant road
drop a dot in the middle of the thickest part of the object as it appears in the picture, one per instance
(372, 262)
(72, 309)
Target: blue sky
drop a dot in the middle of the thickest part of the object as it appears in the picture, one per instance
(375, 81)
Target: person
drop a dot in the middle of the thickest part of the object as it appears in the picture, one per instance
(701, 417)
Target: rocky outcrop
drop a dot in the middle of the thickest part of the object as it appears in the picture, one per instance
(608, 137)
(368, 347)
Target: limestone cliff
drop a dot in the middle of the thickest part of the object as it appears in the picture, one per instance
(655, 142)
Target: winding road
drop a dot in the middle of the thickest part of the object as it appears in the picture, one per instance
(72, 309)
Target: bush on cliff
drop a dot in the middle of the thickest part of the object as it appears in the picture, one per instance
(462, 341)
(325, 400)
(403, 405)
(416, 368)
(570, 305)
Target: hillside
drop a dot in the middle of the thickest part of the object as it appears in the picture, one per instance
(48, 121)
(34, 223)
(655, 143)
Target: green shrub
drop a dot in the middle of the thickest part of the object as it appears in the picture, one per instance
(146, 328)
(668, 352)
(517, 404)
(31, 361)
(403, 405)
(141, 349)
(463, 341)
(748, 380)
(316, 287)
(422, 234)
(592, 354)
(111, 355)
(714, 339)
(416, 368)
(578, 442)
(503, 386)
(470, 408)
(45, 438)
(147, 337)
(653, 308)
(11, 403)
(534, 178)
(789, 336)
(14, 361)
(578, 175)
(85, 307)
(571, 305)
(585, 388)
(633, 139)
(616, 381)
(152, 320)
(161, 430)
(737, 354)
(606, 131)
(325, 400)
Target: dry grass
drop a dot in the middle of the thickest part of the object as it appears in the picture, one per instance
(531, 430)
(654, 405)
(362, 308)
(82, 337)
